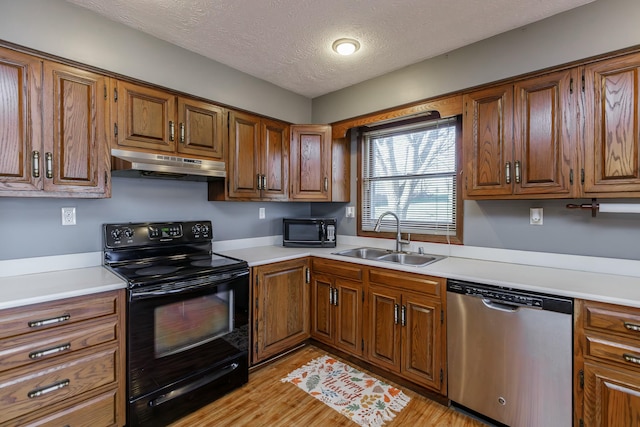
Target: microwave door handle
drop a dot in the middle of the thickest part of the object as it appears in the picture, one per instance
(323, 231)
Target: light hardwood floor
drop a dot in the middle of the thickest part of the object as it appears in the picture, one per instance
(265, 401)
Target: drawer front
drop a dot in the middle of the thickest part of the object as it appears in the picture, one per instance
(414, 282)
(610, 318)
(54, 344)
(55, 314)
(621, 352)
(23, 391)
(99, 411)
(337, 268)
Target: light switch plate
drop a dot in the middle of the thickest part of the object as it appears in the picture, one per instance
(261, 213)
(351, 212)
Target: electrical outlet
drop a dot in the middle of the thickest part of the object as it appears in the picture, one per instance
(68, 216)
(261, 213)
(535, 216)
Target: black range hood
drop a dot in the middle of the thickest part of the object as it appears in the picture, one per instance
(164, 166)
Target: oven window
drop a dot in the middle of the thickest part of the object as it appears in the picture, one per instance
(186, 324)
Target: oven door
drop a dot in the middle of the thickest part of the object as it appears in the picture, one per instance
(182, 329)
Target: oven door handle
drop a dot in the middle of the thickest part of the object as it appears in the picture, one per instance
(173, 394)
(137, 294)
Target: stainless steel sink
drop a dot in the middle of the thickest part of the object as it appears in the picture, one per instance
(366, 253)
(405, 258)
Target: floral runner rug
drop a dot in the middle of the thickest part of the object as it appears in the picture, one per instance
(358, 396)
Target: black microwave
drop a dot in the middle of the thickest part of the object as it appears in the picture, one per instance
(309, 232)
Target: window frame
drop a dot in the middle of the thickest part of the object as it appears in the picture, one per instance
(456, 238)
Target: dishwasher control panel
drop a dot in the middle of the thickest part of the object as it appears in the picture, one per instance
(511, 296)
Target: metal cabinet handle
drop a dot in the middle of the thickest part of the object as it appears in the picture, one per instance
(632, 326)
(172, 131)
(330, 296)
(507, 173)
(48, 352)
(258, 181)
(631, 358)
(335, 296)
(517, 165)
(182, 133)
(326, 184)
(403, 316)
(396, 308)
(42, 391)
(48, 158)
(264, 182)
(35, 164)
(45, 322)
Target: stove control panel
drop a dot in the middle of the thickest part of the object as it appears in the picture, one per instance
(156, 234)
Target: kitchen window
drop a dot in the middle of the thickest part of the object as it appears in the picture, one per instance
(411, 169)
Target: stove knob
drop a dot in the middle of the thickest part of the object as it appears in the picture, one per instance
(128, 233)
(116, 233)
(196, 229)
(205, 229)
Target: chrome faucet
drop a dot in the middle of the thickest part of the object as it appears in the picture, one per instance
(399, 241)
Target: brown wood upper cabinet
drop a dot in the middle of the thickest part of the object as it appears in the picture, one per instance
(258, 161)
(311, 162)
(611, 137)
(54, 127)
(154, 120)
(518, 138)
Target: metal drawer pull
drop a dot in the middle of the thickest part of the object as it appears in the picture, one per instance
(49, 351)
(335, 296)
(42, 391)
(45, 322)
(403, 318)
(326, 184)
(395, 314)
(632, 326)
(631, 359)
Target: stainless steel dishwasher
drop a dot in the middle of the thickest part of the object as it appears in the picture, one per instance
(510, 354)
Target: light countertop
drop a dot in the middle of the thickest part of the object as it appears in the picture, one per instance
(16, 291)
(615, 289)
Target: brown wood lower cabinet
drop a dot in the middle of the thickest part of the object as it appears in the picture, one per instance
(337, 306)
(281, 307)
(62, 362)
(607, 390)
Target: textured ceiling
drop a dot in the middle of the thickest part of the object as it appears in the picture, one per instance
(288, 42)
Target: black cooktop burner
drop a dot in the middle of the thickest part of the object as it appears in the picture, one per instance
(156, 253)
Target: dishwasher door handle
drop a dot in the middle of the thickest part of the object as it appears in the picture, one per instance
(494, 305)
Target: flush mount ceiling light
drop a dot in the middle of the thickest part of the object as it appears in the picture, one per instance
(346, 46)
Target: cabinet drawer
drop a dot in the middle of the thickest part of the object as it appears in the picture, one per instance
(337, 268)
(99, 411)
(624, 321)
(54, 314)
(414, 282)
(619, 352)
(26, 390)
(52, 344)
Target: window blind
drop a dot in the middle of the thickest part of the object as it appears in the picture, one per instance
(411, 171)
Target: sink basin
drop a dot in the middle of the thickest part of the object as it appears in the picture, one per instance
(405, 258)
(366, 253)
(419, 260)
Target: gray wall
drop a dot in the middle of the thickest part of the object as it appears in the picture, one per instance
(32, 227)
(69, 31)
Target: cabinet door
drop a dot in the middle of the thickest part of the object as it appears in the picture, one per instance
(146, 118)
(282, 307)
(200, 129)
(422, 340)
(544, 131)
(384, 327)
(322, 308)
(20, 113)
(244, 156)
(611, 397)
(348, 315)
(76, 155)
(310, 162)
(488, 142)
(611, 127)
(275, 159)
